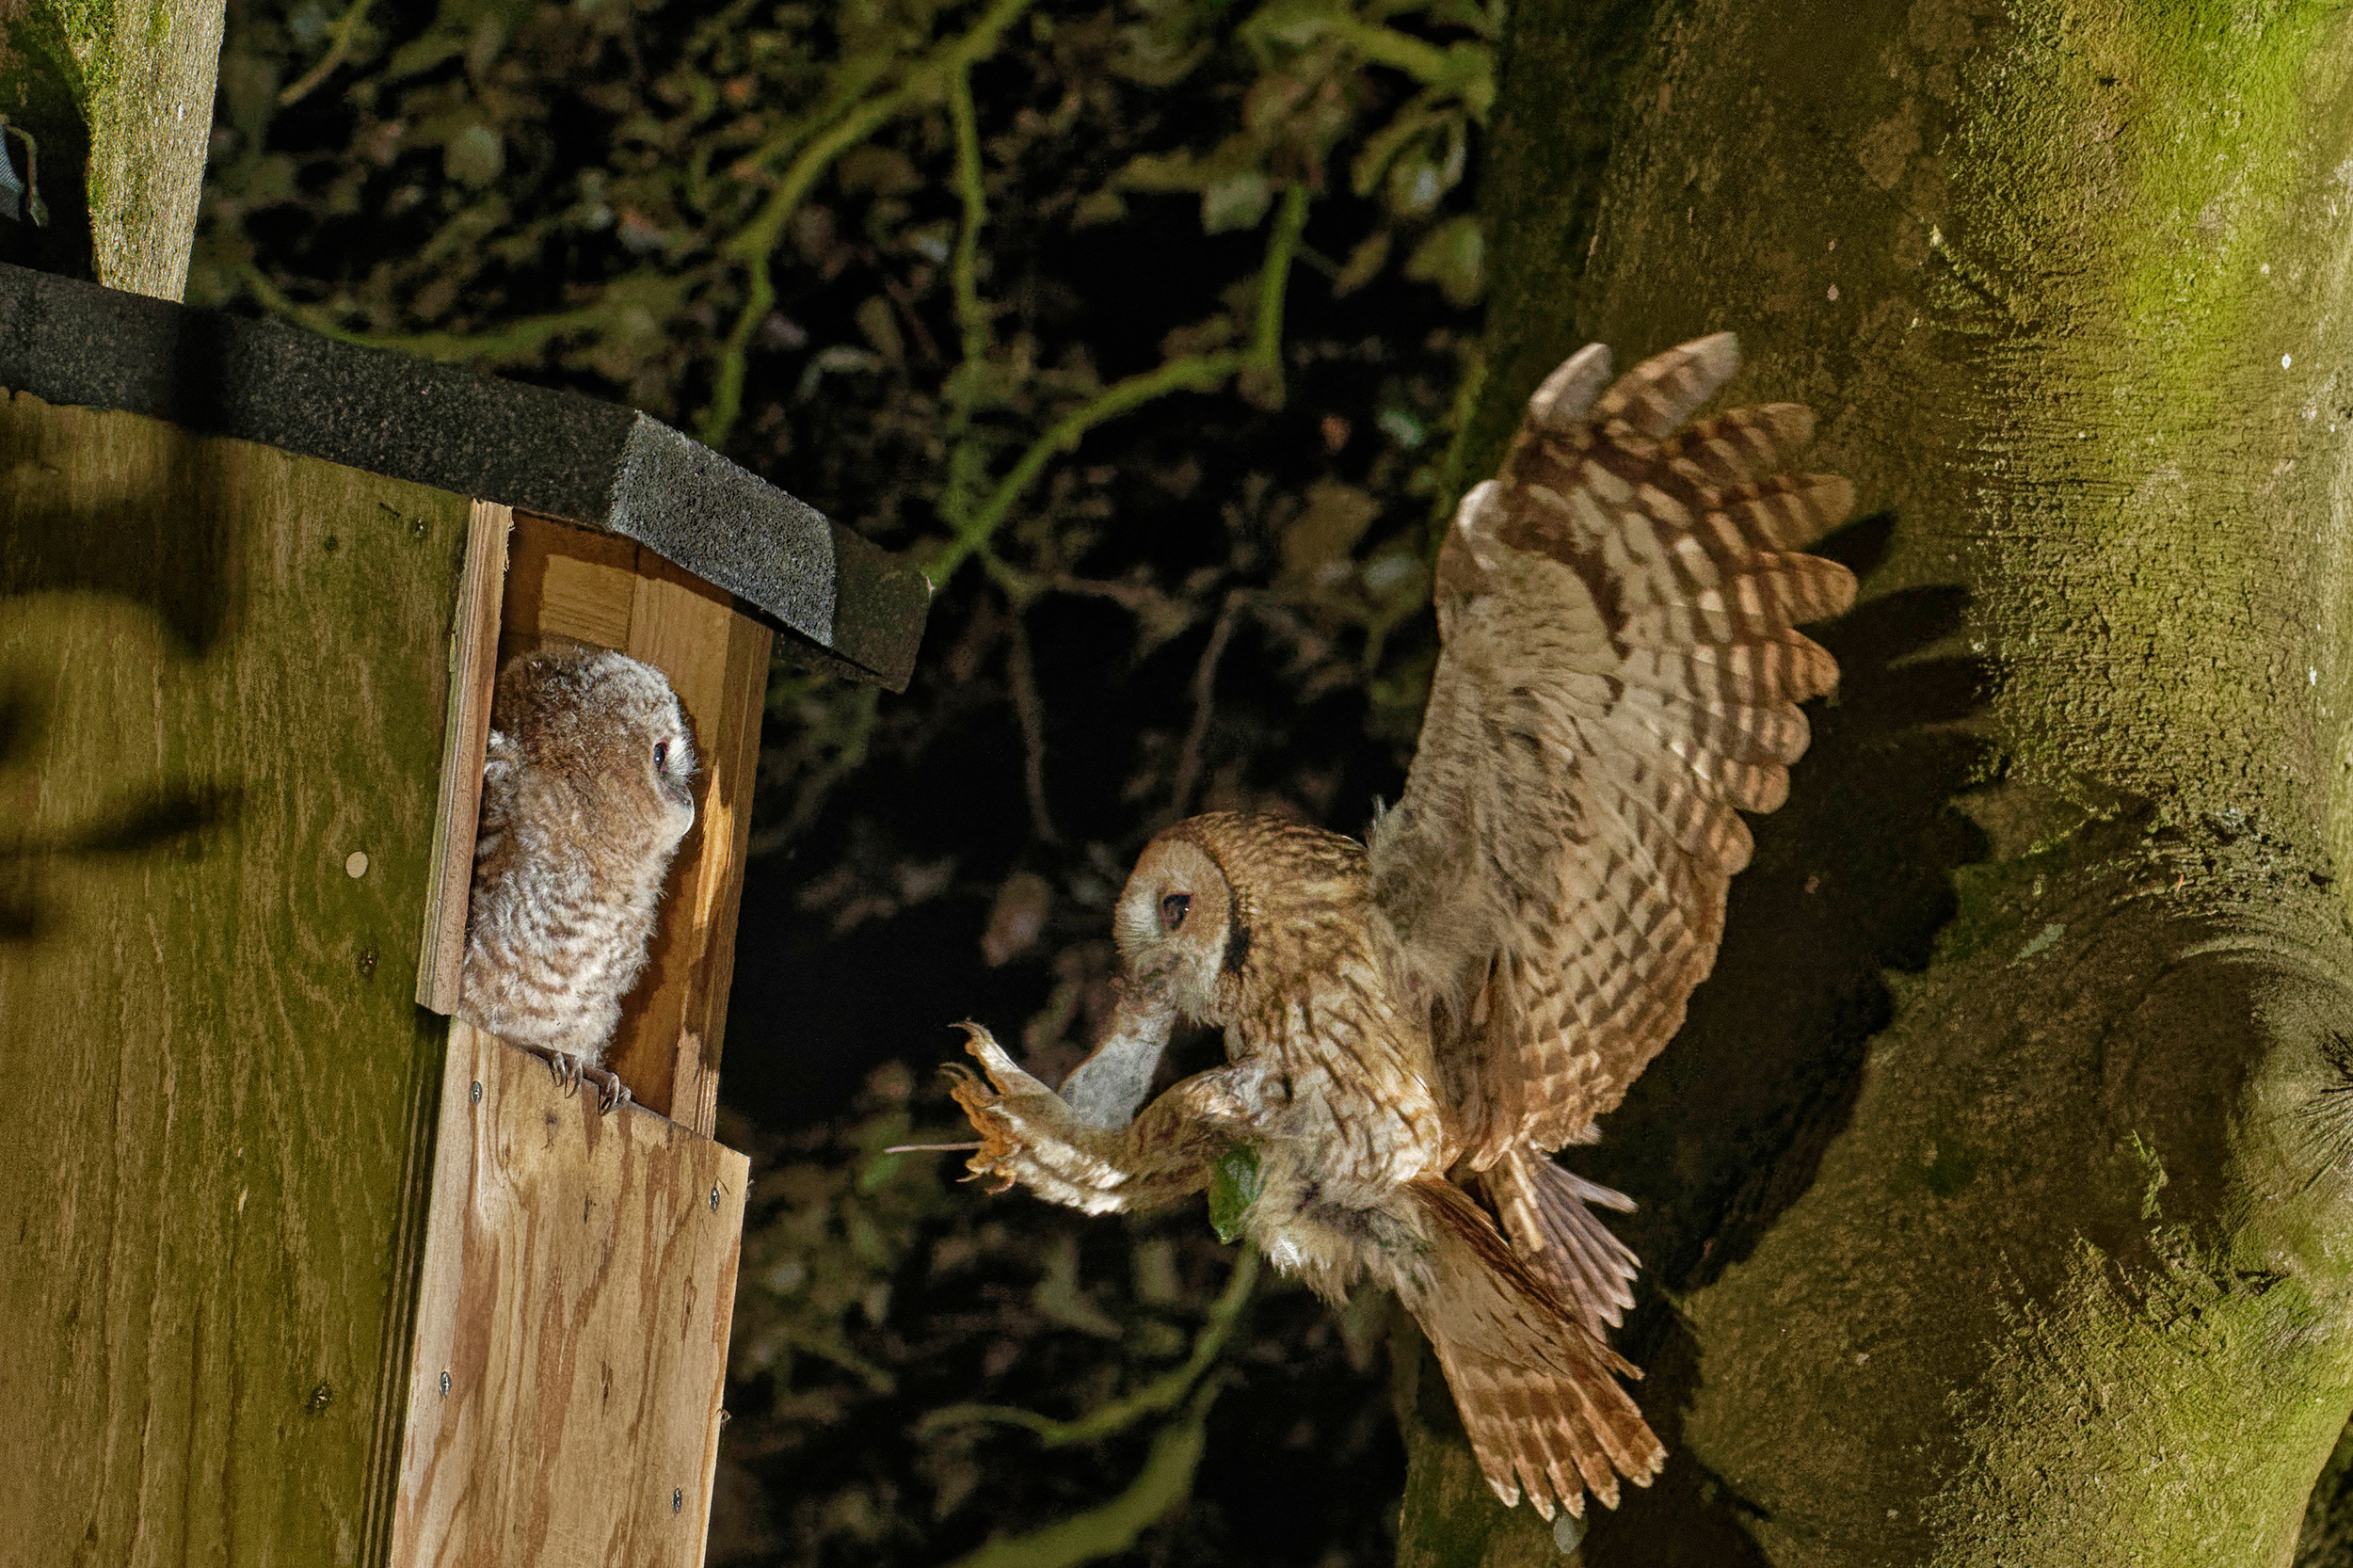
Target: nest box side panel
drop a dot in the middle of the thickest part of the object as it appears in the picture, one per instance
(572, 1327)
(465, 749)
(222, 685)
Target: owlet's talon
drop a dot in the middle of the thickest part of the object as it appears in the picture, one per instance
(612, 1093)
(564, 1068)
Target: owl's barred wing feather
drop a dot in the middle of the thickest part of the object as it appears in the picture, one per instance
(1545, 1209)
(1620, 678)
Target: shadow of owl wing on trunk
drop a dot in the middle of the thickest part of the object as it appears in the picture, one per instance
(1620, 678)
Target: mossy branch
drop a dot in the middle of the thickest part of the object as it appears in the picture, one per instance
(852, 80)
(966, 457)
(1165, 1481)
(1464, 69)
(851, 730)
(338, 50)
(924, 83)
(1165, 1392)
(1262, 359)
(963, 267)
(518, 340)
(1262, 364)
(1194, 373)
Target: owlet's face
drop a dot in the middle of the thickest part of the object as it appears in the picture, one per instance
(611, 730)
(662, 754)
(1175, 925)
(669, 755)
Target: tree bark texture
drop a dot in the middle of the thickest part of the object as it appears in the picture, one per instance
(123, 88)
(1996, 1198)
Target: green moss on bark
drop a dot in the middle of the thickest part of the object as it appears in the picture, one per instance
(2066, 286)
(126, 87)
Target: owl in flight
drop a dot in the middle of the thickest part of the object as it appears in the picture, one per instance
(1413, 1024)
(586, 795)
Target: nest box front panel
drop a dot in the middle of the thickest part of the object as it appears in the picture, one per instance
(573, 1318)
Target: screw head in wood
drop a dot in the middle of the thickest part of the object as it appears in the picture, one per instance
(677, 1499)
(475, 1093)
(714, 1197)
(445, 1382)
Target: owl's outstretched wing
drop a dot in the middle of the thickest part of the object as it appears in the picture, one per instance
(1619, 680)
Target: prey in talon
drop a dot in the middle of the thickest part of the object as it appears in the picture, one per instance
(1414, 1023)
(586, 795)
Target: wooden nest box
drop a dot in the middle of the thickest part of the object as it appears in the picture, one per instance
(301, 1269)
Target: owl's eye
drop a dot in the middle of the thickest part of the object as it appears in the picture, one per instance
(1173, 910)
(660, 755)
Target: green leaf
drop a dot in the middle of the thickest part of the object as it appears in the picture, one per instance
(1233, 1186)
(1453, 256)
(475, 156)
(1236, 201)
(1364, 263)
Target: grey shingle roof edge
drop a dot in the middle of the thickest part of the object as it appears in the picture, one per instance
(839, 598)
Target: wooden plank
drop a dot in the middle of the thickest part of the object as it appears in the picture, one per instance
(223, 672)
(733, 768)
(566, 582)
(681, 626)
(579, 1276)
(465, 741)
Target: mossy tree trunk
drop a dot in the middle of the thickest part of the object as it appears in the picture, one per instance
(118, 96)
(1999, 1206)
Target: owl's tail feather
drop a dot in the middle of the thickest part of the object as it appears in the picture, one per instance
(1564, 1243)
(1537, 1390)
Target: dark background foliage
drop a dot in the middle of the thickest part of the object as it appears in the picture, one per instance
(1142, 325)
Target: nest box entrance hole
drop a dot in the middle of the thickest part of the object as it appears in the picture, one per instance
(529, 580)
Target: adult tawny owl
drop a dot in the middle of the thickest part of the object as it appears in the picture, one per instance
(585, 797)
(1415, 1024)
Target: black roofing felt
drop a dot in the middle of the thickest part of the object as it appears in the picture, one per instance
(555, 453)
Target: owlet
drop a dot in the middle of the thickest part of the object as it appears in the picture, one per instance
(1413, 1024)
(585, 797)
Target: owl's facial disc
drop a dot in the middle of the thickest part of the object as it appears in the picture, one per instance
(1173, 927)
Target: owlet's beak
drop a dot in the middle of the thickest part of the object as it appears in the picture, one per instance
(1106, 1089)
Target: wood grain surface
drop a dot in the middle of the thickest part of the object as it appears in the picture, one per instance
(579, 1275)
(222, 680)
(599, 588)
(465, 748)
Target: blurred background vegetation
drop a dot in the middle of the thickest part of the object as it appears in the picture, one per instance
(1142, 325)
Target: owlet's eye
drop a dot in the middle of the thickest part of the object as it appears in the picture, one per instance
(660, 755)
(1173, 909)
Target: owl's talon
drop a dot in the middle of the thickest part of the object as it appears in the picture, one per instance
(563, 1068)
(1004, 1073)
(1029, 1134)
(612, 1093)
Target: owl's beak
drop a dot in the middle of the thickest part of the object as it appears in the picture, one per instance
(1106, 1089)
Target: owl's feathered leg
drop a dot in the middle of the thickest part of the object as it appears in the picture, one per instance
(1538, 1393)
(1560, 1239)
(1031, 1135)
